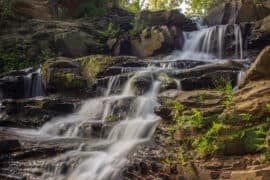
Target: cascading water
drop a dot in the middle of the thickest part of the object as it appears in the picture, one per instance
(210, 43)
(131, 116)
(33, 84)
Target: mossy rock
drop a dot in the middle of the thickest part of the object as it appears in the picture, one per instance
(142, 83)
(167, 82)
(93, 67)
(63, 75)
(66, 81)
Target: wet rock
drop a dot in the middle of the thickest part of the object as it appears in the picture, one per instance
(167, 82)
(209, 80)
(15, 84)
(142, 83)
(236, 12)
(9, 145)
(34, 112)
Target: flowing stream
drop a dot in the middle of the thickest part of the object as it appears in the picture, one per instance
(131, 116)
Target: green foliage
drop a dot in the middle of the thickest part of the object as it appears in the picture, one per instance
(226, 87)
(167, 161)
(156, 5)
(180, 157)
(176, 108)
(133, 6)
(202, 7)
(17, 58)
(207, 144)
(93, 8)
(6, 8)
(254, 139)
(110, 32)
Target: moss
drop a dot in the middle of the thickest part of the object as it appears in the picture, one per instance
(68, 81)
(93, 65)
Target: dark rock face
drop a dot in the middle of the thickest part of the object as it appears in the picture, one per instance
(236, 12)
(260, 33)
(209, 80)
(21, 84)
(35, 112)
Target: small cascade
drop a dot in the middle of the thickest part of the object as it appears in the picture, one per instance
(240, 77)
(33, 84)
(210, 43)
(238, 42)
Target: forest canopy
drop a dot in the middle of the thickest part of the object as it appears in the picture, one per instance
(81, 8)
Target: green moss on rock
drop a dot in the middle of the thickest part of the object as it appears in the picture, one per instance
(68, 81)
(93, 65)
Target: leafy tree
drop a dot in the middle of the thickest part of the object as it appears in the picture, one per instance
(156, 5)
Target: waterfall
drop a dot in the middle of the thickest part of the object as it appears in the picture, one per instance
(210, 43)
(33, 84)
(106, 158)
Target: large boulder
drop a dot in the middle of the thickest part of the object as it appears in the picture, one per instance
(77, 44)
(236, 12)
(154, 40)
(259, 69)
(63, 75)
(260, 33)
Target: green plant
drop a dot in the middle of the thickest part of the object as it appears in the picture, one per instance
(207, 144)
(167, 161)
(201, 100)
(6, 8)
(176, 108)
(226, 87)
(180, 157)
(110, 32)
(92, 8)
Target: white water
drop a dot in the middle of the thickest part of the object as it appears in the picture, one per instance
(33, 85)
(209, 43)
